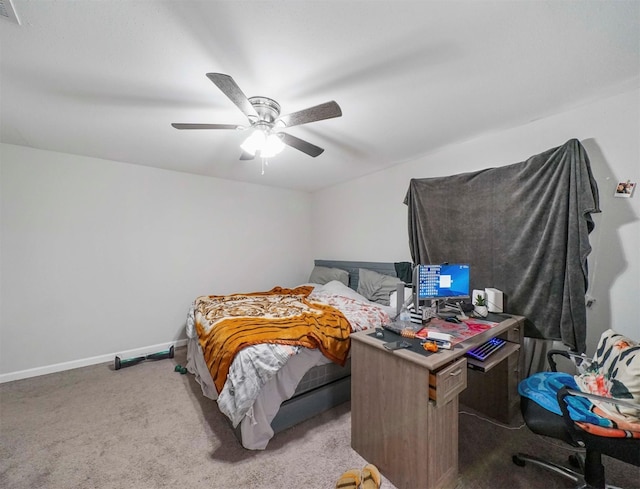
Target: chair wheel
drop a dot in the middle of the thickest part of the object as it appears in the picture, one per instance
(518, 461)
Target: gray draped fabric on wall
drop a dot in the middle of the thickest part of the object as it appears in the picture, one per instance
(524, 230)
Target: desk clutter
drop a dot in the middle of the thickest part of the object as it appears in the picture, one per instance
(429, 341)
(392, 339)
(438, 334)
(443, 329)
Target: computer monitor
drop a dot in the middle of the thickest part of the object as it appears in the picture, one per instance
(437, 282)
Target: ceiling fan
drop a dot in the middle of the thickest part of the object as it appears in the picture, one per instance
(267, 137)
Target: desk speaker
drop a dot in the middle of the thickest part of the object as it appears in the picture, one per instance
(494, 300)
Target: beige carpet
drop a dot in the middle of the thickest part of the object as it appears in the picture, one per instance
(147, 426)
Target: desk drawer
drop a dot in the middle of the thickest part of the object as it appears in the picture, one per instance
(448, 382)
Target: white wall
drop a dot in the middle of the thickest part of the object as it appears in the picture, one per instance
(100, 257)
(366, 219)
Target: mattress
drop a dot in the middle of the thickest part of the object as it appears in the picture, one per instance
(255, 428)
(321, 375)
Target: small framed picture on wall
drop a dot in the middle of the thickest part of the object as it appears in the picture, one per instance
(624, 189)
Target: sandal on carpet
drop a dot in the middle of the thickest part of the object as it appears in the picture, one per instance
(371, 478)
(349, 480)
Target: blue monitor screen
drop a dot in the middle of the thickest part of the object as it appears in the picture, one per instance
(441, 281)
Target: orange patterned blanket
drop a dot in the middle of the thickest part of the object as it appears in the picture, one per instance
(226, 324)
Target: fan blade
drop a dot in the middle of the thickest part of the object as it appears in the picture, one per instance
(205, 126)
(226, 84)
(247, 156)
(328, 110)
(301, 145)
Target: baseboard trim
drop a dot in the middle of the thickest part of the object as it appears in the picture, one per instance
(85, 362)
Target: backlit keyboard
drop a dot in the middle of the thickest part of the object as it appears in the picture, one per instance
(487, 349)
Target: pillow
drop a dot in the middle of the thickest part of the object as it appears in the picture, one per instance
(338, 288)
(364, 315)
(615, 372)
(375, 286)
(322, 275)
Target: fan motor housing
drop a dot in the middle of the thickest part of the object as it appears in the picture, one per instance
(268, 109)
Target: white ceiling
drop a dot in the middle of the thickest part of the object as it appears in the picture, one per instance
(107, 78)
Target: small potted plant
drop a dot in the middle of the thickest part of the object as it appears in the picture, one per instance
(480, 306)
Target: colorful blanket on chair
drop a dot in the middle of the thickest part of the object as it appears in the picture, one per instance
(543, 387)
(282, 316)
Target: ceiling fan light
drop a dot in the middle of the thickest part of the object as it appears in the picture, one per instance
(255, 142)
(272, 146)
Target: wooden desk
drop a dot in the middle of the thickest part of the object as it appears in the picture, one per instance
(404, 407)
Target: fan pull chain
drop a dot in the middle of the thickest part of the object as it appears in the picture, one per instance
(264, 163)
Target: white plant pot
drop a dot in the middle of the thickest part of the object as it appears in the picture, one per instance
(481, 311)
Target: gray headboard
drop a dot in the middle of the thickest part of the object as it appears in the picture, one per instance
(386, 268)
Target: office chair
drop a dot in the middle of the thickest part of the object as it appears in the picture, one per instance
(590, 472)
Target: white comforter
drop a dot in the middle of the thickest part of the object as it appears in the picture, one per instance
(256, 365)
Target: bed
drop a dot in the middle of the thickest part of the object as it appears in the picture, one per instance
(295, 382)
